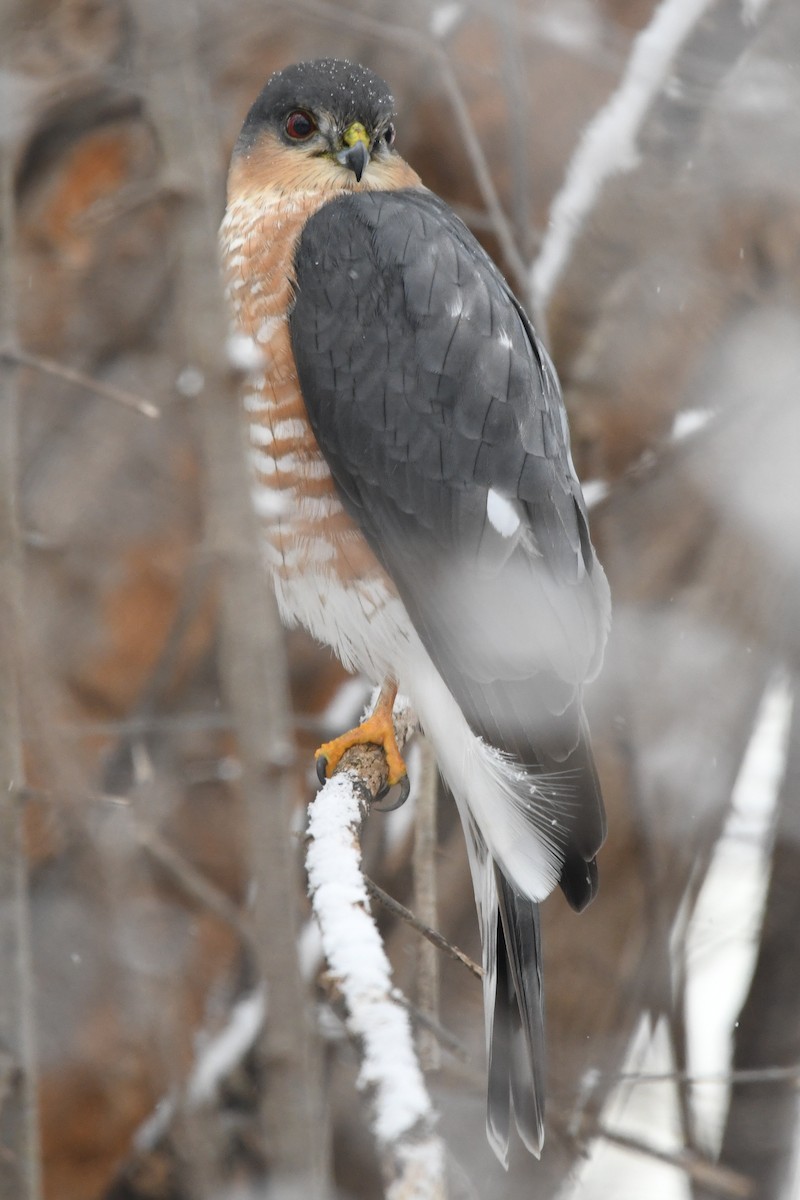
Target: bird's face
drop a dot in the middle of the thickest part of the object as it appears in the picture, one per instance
(323, 125)
(351, 142)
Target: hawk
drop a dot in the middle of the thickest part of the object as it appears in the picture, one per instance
(421, 512)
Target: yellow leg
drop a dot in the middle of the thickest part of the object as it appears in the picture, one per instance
(378, 730)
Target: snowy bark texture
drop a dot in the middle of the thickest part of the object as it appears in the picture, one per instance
(608, 145)
(412, 1155)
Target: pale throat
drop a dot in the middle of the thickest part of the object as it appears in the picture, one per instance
(271, 167)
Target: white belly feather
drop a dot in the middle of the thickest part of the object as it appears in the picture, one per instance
(370, 631)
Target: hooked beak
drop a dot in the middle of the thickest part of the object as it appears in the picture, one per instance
(355, 157)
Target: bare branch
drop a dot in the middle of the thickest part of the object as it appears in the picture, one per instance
(723, 1078)
(192, 881)
(401, 35)
(716, 1179)
(608, 144)
(21, 358)
(434, 937)
(428, 1022)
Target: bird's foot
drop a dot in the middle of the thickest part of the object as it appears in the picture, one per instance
(377, 730)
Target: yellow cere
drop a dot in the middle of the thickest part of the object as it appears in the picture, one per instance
(355, 133)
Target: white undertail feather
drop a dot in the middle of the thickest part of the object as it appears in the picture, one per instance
(370, 631)
(515, 820)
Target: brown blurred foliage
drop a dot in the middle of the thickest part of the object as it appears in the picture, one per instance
(682, 293)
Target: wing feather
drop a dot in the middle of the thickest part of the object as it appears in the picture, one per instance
(426, 387)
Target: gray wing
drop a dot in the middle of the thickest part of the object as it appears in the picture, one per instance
(442, 422)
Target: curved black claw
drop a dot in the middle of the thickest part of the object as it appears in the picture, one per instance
(404, 785)
(322, 769)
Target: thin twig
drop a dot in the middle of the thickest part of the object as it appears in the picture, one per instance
(483, 176)
(434, 937)
(723, 1078)
(193, 882)
(22, 358)
(430, 1023)
(709, 1175)
(427, 47)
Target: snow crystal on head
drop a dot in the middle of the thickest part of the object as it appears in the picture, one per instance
(347, 90)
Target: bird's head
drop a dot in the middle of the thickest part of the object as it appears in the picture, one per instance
(327, 123)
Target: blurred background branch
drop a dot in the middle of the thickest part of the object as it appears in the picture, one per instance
(19, 1135)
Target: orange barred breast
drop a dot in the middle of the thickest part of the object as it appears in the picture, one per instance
(305, 525)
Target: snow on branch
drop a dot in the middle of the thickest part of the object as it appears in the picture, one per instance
(402, 1113)
(608, 144)
(217, 1059)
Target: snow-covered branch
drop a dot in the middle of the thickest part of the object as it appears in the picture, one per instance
(402, 1113)
(608, 144)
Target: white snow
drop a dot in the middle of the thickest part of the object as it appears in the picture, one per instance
(594, 490)
(608, 144)
(444, 19)
(575, 25)
(243, 353)
(723, 937)
(226, 1049)
(223, 1051)
(190, 382)
(356, 957)
(689, 422)
(764, 763)
(270, 502)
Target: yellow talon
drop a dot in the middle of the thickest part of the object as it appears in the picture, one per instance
(377, 730)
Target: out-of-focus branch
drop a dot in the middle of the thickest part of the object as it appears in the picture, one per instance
(424, 867)
(19, 1146)
(253, 661)
(217, 1060)
(106, 391)
(718, 1180)
(759, 1136)
(428, 47)
(402, 1115)
(193, 882)
(608, 144)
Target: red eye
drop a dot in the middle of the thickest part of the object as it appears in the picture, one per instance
(300, 125)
